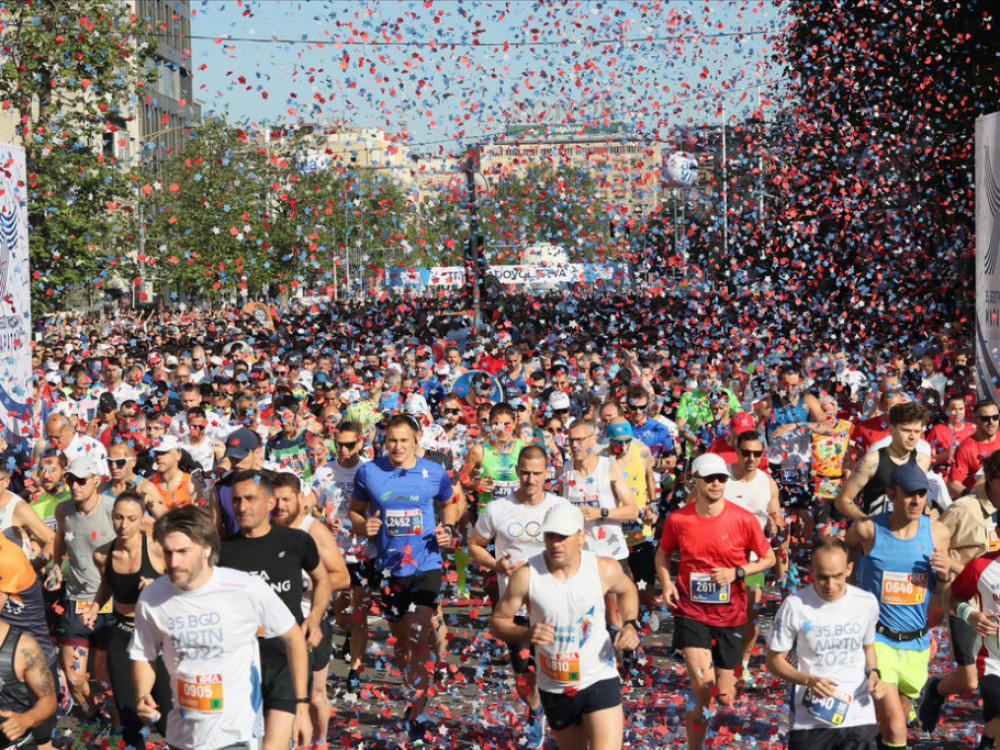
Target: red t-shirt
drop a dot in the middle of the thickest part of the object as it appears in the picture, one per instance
(969, 459)
(868, 432)
(945, 437)
(722, 541)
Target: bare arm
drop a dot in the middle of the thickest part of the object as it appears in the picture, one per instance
(25, 515)
(861, 535)
(862, 473)
(502, 621)
(298, 662)
(322, 590)
(614, 581)
(30, 668)
(329, 553)
(627, 509)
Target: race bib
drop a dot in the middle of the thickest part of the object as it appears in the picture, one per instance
(82, 607)
(592, 501)
(832, 710)
(630, 526)
(407, 522)
(503, 490)
(201, 692)
(828, 488)
(706, 591)
(903, 588)
(992, 540)
(564, 667)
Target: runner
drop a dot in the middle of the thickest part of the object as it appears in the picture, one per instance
(514, 524)
(393, 503)
(831, 627)
(29, 691)
(755, 492)
(714, 539)
(279, 556)
(903, 551)
(204, 621)
(970, 453)
(578, 683)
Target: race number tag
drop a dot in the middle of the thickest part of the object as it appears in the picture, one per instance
(992, 540)
(82, 607)
(706, 591)
(202, 692)
(503, 490)
(828, 488)
(564, 667)
(903, 588)
(405, 522)
(832, 710)
(630, 526)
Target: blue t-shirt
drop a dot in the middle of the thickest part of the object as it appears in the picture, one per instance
(655, 435)
(404, 499)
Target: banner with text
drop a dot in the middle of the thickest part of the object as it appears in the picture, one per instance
(988, 255)
(570, 273)
(15, 296)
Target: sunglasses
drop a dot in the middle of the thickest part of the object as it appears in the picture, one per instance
(451, 412)
(989, 417)
(117, 462)
(349, 445)
(713, 478)
(750, 454)
(70, 479)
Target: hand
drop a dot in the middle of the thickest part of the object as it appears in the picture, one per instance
(302, 727)
(88, 618)
(485, 485)
(821, 687)
(333, 523)
(649, 514)
(541, 634)
(984, 623)
(722, 576)
(670, 596)
(312, 632)
(54, 579)
(627, 638)
(590, 513)
(147, 709)
(507, 565)
(14, 725)
(144, 582)
(443, 535)
(876, 687)
(941, 563)
(373, 524)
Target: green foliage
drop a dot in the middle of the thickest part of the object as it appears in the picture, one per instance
(71, 76)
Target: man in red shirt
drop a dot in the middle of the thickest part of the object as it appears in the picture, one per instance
(714, 538)
(970, 453)
(726, 446)
(946, 437)
(869, 431)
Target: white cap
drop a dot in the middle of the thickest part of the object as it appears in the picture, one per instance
(558, 401)
(165, 444)
(709, 464)
(85, 465)
(563, 519)
(416, 405)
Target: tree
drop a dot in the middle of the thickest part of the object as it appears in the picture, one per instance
(71, 78)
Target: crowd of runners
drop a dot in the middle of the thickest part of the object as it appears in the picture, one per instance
(201, 509)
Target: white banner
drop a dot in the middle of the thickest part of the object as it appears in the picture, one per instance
(15, 296)
(988, 255)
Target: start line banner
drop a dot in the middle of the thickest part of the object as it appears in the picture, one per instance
(988, 255)
(570, 273)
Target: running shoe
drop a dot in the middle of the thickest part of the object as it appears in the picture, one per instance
(931, 705)
(747, 680)
(534, 730)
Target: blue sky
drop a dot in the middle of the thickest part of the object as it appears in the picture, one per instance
(439, 72)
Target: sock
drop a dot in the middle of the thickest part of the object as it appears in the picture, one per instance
(883, 745)
(746, 665)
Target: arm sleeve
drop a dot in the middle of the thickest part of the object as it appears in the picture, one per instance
(445, 491)
(272, 614)
(145, 644)
(960, 466)
(667, 541)
(484, 524)
(756, 541)
(967, 583)
(361, 485)
(785, 629)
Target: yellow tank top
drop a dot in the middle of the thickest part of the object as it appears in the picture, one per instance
(636, 532)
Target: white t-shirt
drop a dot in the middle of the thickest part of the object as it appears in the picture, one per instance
(829, 638)
(334, 487)
(514, 527)
(208, 639)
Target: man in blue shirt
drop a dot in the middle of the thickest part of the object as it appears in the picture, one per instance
(393, 505)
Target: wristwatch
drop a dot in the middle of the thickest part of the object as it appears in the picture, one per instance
(740, 573)
(635, 624)
(604, 512)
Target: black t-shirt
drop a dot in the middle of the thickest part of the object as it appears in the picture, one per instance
(278, 558)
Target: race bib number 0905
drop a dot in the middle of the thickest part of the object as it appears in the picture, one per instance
(202, 692)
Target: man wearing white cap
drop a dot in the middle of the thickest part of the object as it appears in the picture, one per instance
(714, 538)
(578, 681)
(83, 523)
